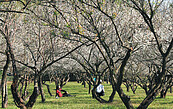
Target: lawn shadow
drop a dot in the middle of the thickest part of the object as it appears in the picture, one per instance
(167, 102)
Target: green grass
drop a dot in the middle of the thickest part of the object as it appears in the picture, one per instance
(83, 100)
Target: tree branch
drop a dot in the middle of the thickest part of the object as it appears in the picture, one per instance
(13, 11)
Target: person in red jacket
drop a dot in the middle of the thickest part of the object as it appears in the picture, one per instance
(59, 94)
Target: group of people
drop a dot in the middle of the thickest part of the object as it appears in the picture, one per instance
(99, 91)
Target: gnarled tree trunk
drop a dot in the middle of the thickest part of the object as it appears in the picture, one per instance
(4, 95)
(14, 87)
(47, 88)
(123, 96)
(158, 87)
(40, 86)
(4, 82)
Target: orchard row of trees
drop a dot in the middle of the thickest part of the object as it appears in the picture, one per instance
(121, 41)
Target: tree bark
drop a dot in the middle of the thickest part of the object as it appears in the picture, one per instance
(4, 82)
(125, 98)
(4, 95)
(40, 86)
(25, 89)
(83, 82)
(127, 84)
(17, 98)
(171, 89)
(35, 93)
(48, 89)
(22, 83)
(167, 85)
(33, 98)
(149, 98)
(155, 90)
(89, 90)
(133, 87)
(163, 93)
(112, 94)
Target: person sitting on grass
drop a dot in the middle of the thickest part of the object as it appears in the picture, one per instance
(59, 94)
(100, 89)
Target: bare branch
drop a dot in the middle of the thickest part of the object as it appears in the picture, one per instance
(13, 11)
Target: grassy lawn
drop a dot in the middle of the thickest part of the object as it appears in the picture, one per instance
(83, 100)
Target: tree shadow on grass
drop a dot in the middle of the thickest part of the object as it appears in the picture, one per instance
(167, 102)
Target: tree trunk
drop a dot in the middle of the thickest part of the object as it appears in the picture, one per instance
(149, 98)
(35, 93)
(127, 86)
(112, 95)
(145, 89)
(57, 86)
(89, 90)
(134, 87)
(163, 93)
(25, 89)
(48, 89)
(4, 83)
(155, 90)
(83, 83)
(17, 99)
(165, 90)
(41, 89)
(124, 98)
(171, 89)
(4, 95)
(33, 98)
(22, 83)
